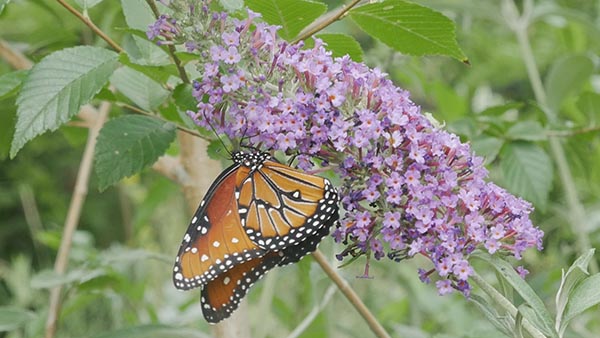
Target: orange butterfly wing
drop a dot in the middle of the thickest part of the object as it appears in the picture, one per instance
(215, 241)
(280, 206)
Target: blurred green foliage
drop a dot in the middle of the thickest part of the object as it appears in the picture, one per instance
(119, 280)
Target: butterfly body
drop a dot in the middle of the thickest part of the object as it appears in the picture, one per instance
(258, 214)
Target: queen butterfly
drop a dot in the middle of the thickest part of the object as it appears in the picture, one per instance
(256, 215)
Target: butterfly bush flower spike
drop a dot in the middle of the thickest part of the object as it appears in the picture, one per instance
(408, 187)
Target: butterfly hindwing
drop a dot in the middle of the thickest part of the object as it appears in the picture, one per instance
(221, 296)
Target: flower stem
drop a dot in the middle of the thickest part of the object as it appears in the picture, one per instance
(499, 299)
(375, 326)
(324, 21)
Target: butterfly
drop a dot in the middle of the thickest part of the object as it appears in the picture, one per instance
(257, 214)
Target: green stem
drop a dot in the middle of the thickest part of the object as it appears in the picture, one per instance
(504, 303)
(519, 24)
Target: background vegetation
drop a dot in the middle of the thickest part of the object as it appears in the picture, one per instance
(541, 141)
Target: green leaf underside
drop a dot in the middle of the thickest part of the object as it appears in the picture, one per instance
(584, 296)
(527, 130)
(138, 14)
(139, 88)
(528, 171)
(291, 15)
(57, 87)
(128, 144)
(542, 318)
(409, 28)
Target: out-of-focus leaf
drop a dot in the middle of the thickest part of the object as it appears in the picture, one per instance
(56, 87)
(567, 75)
(142, 90)
(128, 144)
(291, 15)
(409, 28)
(589, 103)
(487, 146)
(12, 318)
(528, 172)
(527, 131)
(9, 82)
(232, 5)
(47, 279)
(87, 4)
(144, 52)
(154, 331)
(138, 14)
(8, 114)
(3, 3)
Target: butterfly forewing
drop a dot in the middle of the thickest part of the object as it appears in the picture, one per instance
(215, 240)
(281, 206)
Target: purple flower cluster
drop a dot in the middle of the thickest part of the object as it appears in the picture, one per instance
(407, 187)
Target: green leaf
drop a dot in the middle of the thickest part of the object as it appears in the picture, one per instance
(48, 279)
(589, 103)
(3, 3)
(87, 4)
(232, 5)
(128, 144)
(153, 331)
(144, 52)
(527, 131)
(291, 15)
(8, 113)
(9, 82)
(56, 87)
(567, 75)
(138, 14)
(577, 271)
(12, 318)
(585, 295)
(340, 45)
(528, 171)
(142, 90)
(502, 323)
(487, 147)
(542, 318)
(409, 28)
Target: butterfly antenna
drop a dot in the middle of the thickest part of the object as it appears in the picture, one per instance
(217, 134)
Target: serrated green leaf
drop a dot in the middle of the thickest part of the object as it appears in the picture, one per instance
(340, 45)
(142, 90)
(144, 52)
(138, 14)
(542, 319)
(291, 15)
(528, 171)
(577, 271)
(56, 87)
(12, 318)
(128, 144)
(487, 146)
(584, 296)
(153, 331)
(567, 75)
(527, 131)
(409, 28)
(9, 82)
